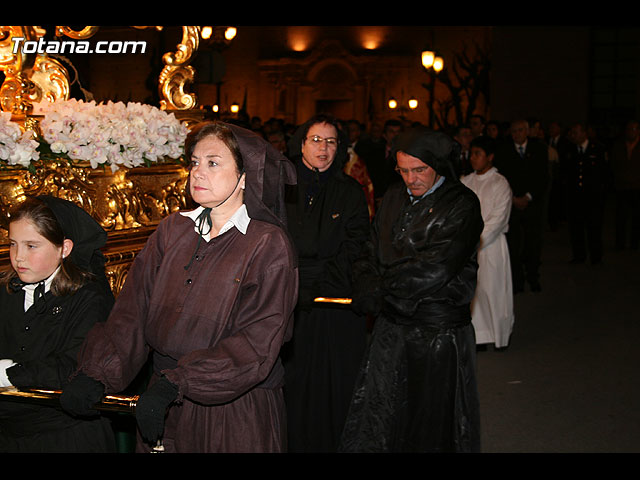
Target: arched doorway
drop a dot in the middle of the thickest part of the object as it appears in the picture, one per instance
(335, 89)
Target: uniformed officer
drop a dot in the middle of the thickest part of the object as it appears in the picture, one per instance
(587, 176)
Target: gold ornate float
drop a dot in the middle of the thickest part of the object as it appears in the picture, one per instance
(127, 200)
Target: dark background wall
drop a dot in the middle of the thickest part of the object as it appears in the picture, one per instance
(566, 73)
(541, 72)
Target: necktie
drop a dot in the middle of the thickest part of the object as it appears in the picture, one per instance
(38, 292)
(521, 151)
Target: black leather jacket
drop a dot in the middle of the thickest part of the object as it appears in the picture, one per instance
(420, 263)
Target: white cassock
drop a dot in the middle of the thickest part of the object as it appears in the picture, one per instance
(492, 307)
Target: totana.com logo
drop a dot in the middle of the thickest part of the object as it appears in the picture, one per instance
(80, 46)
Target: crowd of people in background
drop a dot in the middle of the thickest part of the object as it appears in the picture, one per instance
(614, 169)
(565, 176)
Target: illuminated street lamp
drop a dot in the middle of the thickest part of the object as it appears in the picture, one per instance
(219, 36)
(438, 64)
(215, 39)
(206, 32)
(393, 104)
(428, 58)
(433, 64)
(230, 33)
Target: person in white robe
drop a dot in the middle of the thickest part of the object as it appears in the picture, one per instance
(492, 310)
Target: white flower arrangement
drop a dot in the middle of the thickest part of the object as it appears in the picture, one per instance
(16, 147)
(115, 134)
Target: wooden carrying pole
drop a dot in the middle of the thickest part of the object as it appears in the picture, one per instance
(109, 403)
(338, 301)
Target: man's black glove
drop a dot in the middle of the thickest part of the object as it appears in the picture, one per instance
(152, 406)
(305, 299)
(79, 397)
(366, 304)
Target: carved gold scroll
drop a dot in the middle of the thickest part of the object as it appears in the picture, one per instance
(32, 78)
(177, 73)
(20, 88)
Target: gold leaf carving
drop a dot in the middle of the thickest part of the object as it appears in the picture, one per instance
(86, 32)
(51, 79)
(177, 74)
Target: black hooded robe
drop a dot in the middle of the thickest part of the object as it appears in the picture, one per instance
(417, 388)
(325, 353)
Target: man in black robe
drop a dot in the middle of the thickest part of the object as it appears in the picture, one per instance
(417, 388)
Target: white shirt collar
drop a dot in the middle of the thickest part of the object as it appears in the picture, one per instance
(584, 145)
(431, 190)
(240, 219)
(30, 288)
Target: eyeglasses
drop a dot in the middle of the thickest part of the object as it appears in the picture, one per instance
(406, 171)
(317, 140)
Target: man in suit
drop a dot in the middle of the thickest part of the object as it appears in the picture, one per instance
(587, 176)
(463, 135)
(555, 137)
(476, 125)
(558, 141)
(524, 163)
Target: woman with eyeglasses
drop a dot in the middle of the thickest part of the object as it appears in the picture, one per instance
(328, 220)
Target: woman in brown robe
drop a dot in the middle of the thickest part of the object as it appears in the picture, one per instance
(211, 296)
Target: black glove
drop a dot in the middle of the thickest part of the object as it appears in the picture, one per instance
(366, 304)
(79, 397)
(305, 299)
(152, 407)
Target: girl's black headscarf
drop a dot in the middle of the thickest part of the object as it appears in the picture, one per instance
(88, 238)
(87, 235)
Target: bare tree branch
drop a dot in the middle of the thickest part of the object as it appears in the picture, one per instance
(467, 81)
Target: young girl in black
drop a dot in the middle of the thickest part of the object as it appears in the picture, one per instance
(52, 295)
